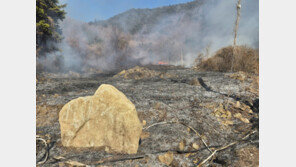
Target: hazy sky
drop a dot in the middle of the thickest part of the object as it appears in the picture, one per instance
(89, 10)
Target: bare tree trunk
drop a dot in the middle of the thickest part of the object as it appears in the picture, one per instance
(238, 7)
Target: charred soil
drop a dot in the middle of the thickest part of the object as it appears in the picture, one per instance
(222, 108)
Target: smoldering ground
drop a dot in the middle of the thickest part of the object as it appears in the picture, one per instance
(175, 35)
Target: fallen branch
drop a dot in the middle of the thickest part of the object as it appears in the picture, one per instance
(160, 152)
(141, 156)
(159, 123)
(181, 123)
(224, 147)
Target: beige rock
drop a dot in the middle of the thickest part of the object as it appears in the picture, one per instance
(195, 146)
(144, 122)
(106, 119)
(238, 104)
(188, 129)
(182, 145)
(166, 158)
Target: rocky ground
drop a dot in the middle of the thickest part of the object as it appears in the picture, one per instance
(222, 107)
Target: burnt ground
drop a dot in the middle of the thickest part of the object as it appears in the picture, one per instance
(202, 100)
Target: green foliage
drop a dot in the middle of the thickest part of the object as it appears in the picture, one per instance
(48, 13)
(43, 27)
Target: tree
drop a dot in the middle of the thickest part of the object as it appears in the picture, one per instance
(238, 7)
(48, 32)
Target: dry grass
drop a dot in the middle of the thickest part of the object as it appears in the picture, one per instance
(137, 73)
(246, 59)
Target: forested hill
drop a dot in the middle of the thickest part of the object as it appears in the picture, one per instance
(134, 20)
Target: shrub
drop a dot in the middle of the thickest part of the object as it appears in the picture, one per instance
(242, 58)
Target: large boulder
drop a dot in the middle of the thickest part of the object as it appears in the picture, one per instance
(107, 119)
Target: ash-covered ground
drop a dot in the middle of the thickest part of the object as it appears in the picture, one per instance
(222, 107)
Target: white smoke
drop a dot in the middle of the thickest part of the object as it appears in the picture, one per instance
(177, 38)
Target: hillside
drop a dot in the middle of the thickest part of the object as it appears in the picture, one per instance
(134, 20)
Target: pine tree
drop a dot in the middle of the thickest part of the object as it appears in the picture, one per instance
(48, 32)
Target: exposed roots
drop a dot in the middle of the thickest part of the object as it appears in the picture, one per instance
(46, 148)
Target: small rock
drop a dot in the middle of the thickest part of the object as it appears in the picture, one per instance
(182, 145)
(195, 146)
(166, 158)
(188, 129)
(238, 104)
(144, 123)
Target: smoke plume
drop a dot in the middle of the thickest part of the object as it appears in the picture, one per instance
(175, 35)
